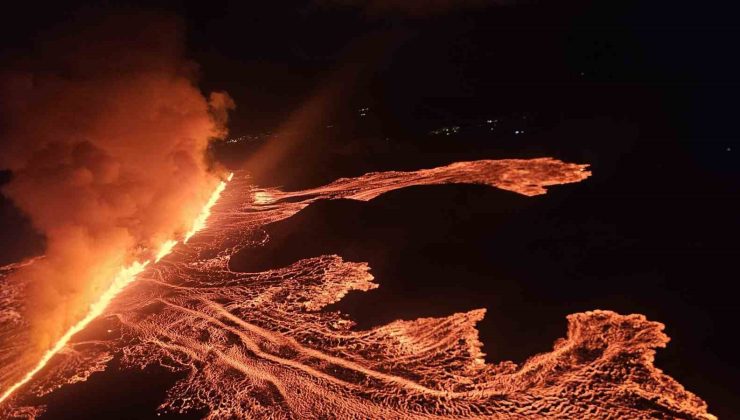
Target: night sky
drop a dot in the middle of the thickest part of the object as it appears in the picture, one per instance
(644, 91)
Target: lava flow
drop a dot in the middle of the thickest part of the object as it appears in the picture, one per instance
(200, 221)
(126, 276)
(262, 344)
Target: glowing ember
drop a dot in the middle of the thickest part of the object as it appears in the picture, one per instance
(125, 277)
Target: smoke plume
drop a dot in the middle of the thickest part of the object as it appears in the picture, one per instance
(106, 133)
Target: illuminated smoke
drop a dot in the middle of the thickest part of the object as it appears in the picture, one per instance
(106, 134)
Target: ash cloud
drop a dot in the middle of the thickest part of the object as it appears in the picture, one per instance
(106, 133)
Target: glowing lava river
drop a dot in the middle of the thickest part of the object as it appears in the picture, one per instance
(260, 345)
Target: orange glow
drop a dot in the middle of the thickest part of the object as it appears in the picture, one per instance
(122, 279)
(200, 221)
(262, 197)
(165, 249)
(261, 344)
(126, 276)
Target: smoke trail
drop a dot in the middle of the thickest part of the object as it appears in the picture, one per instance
(106, 134)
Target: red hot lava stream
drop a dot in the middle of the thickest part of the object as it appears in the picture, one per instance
(125, 277)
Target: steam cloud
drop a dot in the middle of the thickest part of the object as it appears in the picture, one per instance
(106, 133)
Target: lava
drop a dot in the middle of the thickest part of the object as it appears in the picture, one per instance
(123, 279)
(125, 276)
(200, 221)
(165, 249)
(261, 345)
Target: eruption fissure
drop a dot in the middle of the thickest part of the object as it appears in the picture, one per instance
(125, 277)
(200, 221)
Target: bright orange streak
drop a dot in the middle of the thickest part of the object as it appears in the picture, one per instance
(126, 276)
(165, 249)
(200, 221)
(122, 279)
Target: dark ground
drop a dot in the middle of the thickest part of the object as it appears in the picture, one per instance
(643, 91)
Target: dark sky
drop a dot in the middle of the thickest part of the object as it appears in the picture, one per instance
(645, 91)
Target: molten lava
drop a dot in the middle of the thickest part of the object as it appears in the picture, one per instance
(200, 221)
(165, 249)
(123, 279)
(262, 345)
(126, 276)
